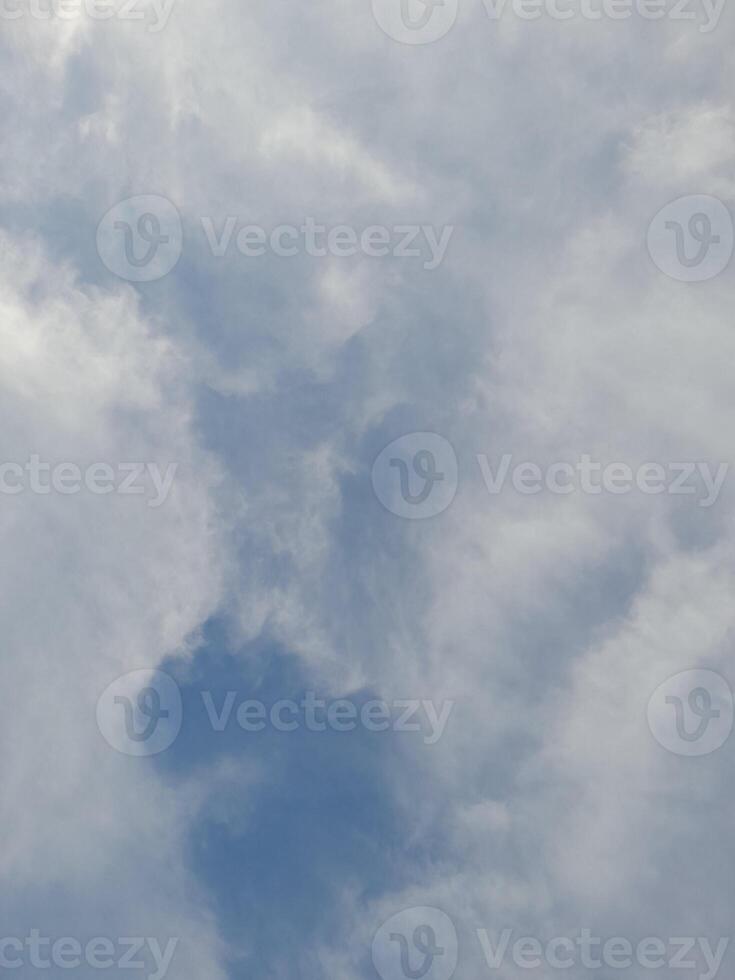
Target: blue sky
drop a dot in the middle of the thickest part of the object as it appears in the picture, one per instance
(556, 318)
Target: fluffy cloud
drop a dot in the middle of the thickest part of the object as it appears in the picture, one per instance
(94, 586)
(546, 332)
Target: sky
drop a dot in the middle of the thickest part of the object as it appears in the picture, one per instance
(365, 493)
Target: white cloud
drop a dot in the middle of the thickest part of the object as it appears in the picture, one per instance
(94, 586)
(547, 332)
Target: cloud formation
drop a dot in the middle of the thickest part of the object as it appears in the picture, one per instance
(272, 568)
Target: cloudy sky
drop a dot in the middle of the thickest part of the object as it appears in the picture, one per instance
(289, 294)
